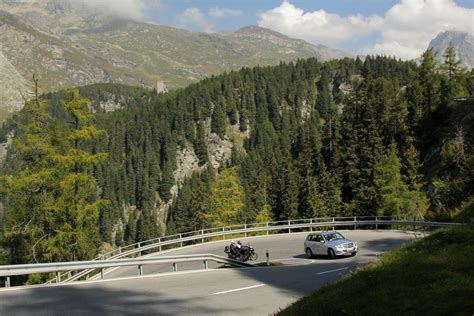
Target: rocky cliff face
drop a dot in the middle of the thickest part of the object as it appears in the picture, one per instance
(462, 42)
(12, 87)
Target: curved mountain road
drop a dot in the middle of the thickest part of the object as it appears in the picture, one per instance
(244, 291)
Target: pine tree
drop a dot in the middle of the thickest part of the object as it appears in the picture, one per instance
(396, 198)
(428, 80)
(289, 191)
(454, 75)
(218, 120)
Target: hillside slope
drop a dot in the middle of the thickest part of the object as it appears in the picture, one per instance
(66, 44)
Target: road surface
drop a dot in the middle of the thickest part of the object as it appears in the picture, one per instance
(243, 291)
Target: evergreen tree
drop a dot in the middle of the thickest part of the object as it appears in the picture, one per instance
(454, 75)
(218, 119)
(396, 198)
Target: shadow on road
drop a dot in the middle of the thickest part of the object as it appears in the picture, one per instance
(383, 244)
(94, 300)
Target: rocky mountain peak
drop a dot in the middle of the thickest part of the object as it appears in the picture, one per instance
(462, 42)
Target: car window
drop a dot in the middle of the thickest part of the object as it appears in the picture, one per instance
(333, 236)
(317, 238)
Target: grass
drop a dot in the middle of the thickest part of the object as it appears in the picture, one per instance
(466, 213)
(433, 276)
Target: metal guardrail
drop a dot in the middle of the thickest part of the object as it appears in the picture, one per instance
(26, 269)
(244, 229)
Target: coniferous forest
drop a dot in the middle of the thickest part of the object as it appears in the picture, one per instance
(309, 139)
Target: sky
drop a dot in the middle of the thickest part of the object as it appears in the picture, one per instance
(401, 28)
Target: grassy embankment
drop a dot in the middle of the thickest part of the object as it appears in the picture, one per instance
(433, 276)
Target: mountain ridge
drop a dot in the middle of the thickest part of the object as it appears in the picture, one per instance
(68, 46)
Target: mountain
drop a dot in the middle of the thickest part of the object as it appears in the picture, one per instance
(462, 42)
(71, 45)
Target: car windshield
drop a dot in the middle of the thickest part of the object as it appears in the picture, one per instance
(333, 236)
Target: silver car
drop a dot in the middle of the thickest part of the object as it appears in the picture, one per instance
(329, 243)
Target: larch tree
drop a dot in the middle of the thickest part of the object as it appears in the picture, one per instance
(226, 199)
(52, 199)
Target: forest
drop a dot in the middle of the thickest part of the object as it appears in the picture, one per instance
(309, 139)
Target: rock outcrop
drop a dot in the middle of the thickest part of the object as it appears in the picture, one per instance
(462, 42)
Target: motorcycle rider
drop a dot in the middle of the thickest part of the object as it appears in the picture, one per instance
(233, 248)
(239, 249)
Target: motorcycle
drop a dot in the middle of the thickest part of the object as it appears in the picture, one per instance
(243, 254)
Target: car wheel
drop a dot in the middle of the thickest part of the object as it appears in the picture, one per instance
(331, 253)
(353, 254)
(309, 253)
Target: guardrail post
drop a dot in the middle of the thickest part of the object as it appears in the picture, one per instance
(267, 229)
(202, 233)
(223, 230)
(355, 223)
(311, 223)
(102, 273)
(333, 227)
(140, 269)
(268, 258)
(7, 281)
(181, 243)
(119, 249)
(175, 267)
(289, 223)
(245, 227)
(58, 277)
(159, 240)
(376, 225)
(139, 246)
(204, 264)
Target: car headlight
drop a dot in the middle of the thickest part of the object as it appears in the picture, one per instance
(339, 247)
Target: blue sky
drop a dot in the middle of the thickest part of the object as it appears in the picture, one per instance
(401, 28)
(169, 9)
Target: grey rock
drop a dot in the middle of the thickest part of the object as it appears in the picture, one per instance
(462, 42)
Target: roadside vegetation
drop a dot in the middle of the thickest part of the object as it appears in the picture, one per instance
(433, 276)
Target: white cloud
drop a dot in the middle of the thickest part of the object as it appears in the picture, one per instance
(194, 18)
(317, 26)
(132, 9)
(405, 30)
(410, 25)
(222, 12)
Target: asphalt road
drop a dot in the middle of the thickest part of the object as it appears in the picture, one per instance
(243, 291)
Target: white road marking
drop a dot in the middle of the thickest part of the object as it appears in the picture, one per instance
(241, 289)
(335, 270)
